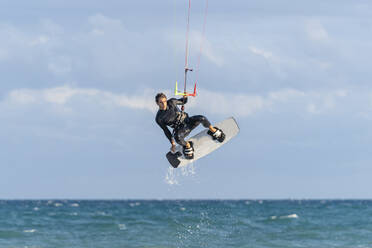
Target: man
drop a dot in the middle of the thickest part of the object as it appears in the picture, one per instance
(170, 115)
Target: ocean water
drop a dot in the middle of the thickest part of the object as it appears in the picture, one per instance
(186, 223)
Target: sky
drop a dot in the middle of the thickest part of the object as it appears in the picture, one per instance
(78, 80)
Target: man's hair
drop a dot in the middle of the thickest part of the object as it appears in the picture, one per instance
(158, 96)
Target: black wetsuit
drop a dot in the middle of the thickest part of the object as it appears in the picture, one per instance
(171, 117)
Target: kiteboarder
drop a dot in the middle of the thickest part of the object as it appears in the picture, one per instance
(170, 115)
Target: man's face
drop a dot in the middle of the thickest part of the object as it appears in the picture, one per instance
(162, 103)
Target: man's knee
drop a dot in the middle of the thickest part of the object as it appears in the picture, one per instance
(205, 122)
(180, 140)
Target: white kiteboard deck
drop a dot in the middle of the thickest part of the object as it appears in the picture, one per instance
(203, 143)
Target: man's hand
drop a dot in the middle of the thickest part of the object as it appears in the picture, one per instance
(173, 148)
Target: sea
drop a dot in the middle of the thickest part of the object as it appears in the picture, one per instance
(185, 223)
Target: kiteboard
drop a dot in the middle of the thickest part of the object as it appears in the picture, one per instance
(203, 143)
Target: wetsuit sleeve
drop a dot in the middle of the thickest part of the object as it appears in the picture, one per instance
(166, 130)
(179, 101)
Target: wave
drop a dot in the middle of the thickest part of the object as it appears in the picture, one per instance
(290, 216)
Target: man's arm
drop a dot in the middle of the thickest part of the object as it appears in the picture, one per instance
(180, 101)
(166, 132)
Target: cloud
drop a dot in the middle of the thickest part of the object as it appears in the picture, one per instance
(325, 102)
(203, 45)
(260, 52)
(208, 102)
(65, 95)
(103, 22)
(316, 31)
(197, 44)
(285, 100)
(60, 65)
(229, 104)
(42, 39)
(14, 44)
(102, 49)
(285, 95)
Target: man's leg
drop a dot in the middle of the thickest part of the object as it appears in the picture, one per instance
(191, 123)
(216, 133)
(195, 120)
(179, 136)
(212, 129)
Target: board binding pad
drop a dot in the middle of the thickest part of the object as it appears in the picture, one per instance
(203, 143)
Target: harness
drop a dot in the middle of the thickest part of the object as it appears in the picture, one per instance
(180, 121)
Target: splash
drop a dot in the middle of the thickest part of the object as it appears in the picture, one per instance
(173, 176)
(170, 177)
(188, 170)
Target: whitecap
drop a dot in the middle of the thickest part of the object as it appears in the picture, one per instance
(273, 217)
(291, 216)
(58, 204)
(122, 227)
(134, 204)
(36, 209)
(30, 231)
(74, 205)
(182, 209)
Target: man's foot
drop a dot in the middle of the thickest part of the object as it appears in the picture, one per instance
(218, 135)
(189, 152)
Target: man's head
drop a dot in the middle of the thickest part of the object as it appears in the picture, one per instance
(161, 101)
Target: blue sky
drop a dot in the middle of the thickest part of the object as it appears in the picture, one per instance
(79, 79)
